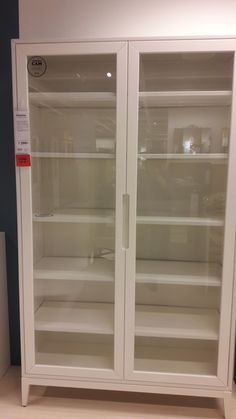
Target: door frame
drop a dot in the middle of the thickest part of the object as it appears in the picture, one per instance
(227, 318)
(20, 52)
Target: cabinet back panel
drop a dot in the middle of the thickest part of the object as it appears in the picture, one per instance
(177, 295)
(81, 240)
(73, 183)
(74, 129)
(82, 291)
(185, 243)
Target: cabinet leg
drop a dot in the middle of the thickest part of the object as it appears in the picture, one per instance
(226, 400)
(25, 389)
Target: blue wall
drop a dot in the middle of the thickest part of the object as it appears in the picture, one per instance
(9, 28)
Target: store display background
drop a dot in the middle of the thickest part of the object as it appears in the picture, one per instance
(79, 19)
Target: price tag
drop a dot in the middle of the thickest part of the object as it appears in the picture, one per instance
(22, 132)
(23, 160)
(22, 138)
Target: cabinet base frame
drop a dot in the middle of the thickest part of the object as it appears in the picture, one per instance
(226, 405)
(225, 394)
(25, 390)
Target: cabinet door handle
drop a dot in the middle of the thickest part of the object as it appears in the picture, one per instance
(125, 232)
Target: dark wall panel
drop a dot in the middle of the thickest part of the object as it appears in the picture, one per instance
(9, 28)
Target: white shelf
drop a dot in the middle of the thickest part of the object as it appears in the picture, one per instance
(72, 268)
(108, 99)
(88, 216)
(180, 221)
(186, 98)
(176, 322)
(75, 354)
(209, 157)
(73, 99)
(97, 216)
(51, 155)
(148, 271)
(178, 273)
(175, 360)
(74, 317)
(152, 321)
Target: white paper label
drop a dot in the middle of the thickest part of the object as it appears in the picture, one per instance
(22, 132)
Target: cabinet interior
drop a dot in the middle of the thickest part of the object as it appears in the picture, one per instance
(181, 198)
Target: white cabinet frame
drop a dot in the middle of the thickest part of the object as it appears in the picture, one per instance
(24, 207)
(123, 377)
(227, 328)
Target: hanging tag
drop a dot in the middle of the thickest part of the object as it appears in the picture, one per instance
(23, 160)
(22, 138)
(22, 132)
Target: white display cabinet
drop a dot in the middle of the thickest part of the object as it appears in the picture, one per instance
(126, 216)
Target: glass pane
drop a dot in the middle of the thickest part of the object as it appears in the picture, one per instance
(73, 131)
(183, 145)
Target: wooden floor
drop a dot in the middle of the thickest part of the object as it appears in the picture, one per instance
(58, 403)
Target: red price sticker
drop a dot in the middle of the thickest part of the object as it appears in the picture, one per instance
(23, 160)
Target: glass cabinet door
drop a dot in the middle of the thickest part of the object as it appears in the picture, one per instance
(182, 149)
(75, 106)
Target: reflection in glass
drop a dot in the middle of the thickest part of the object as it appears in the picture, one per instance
(183, 144)
(73, 130)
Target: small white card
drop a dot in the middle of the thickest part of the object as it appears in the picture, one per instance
(22, 132)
